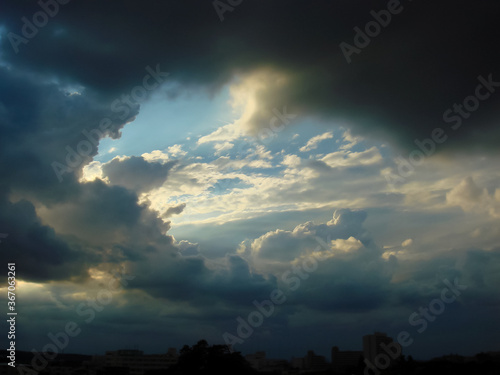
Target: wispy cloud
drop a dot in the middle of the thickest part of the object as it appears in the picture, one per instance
(314, 141)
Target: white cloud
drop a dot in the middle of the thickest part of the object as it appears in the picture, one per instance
(314, 141)
(472, 198)
(407, 243)
(261, 152)
(291, 160)
(350, 139)
(250, 100)
(221, 147)
(226, 133)
(176, 150)
(346, 246)
(308, 237)
(156, 156)
(92, 171)
(350, 159)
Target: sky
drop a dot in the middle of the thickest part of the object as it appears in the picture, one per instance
(274, 175)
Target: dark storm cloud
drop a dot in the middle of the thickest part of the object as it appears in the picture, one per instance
(137, 174)
(98, 212)
(89, 223)
(357, 282)
(476, 268)
(188, 278)
(99, 224)
(43, 122)
(42, 254)
(347, 274)
(356, 277)
(39, 120)
(397, 88)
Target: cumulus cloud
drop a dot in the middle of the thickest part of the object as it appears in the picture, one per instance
(472, 198)
(156, 156)
(187, 248)
(351, 244)
(137, 174)
(333, 266)
(337, 235)
(92, 171)
(176, 151)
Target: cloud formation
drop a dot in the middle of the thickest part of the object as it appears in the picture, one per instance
(397, 89)
(253, 208)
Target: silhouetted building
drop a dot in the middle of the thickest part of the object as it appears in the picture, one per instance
(257, 360)
(298, 363)
(345, 361)
(260, 363)
(310, 362)
(62, 368)
(380, 348)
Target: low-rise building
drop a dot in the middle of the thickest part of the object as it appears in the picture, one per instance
(311, 362)
(259, 362)
(345, 361)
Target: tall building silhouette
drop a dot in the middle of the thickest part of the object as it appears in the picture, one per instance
(379, 345)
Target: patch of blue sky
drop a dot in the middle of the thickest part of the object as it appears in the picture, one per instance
(163, 122)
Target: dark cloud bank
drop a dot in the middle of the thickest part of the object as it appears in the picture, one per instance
(426, 59)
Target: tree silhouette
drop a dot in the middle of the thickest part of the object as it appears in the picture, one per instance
(201, 359)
